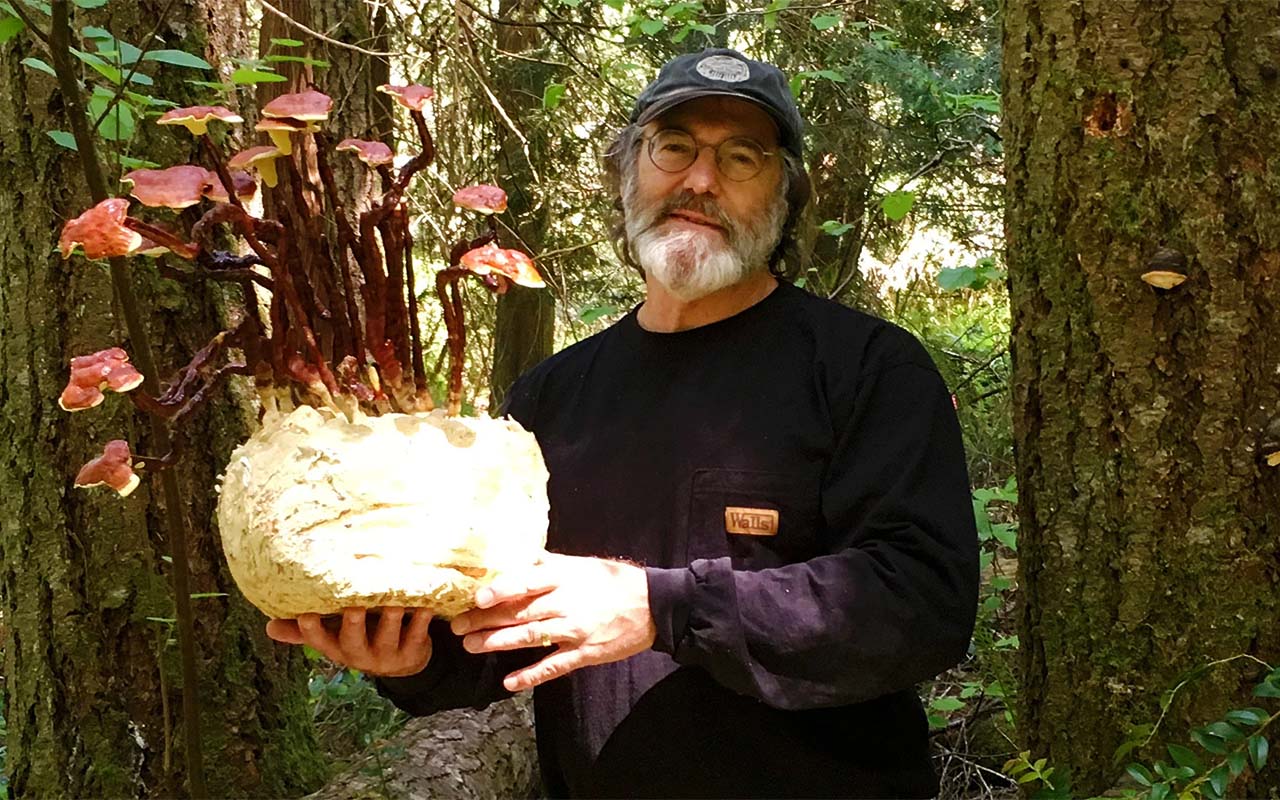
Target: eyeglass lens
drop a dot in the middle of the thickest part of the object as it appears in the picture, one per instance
(738, 158)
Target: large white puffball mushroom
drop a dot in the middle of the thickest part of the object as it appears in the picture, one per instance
(318, 513)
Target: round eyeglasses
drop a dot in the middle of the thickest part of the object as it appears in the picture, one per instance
(738, 158)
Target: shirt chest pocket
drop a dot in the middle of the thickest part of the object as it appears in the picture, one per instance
(758, 519)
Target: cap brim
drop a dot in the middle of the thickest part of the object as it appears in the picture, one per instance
(666, 103)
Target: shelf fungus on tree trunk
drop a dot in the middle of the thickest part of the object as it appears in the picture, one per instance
(353, 492)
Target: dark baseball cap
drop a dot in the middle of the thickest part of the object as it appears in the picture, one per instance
(722, 72)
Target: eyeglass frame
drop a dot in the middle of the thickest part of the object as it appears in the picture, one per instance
(699, 147)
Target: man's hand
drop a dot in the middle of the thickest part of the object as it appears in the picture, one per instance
(596, 610)
(388, 650)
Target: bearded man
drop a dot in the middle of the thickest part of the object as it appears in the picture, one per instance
(760, 522)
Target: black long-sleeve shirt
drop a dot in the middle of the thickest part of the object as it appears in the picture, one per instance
(786, 656)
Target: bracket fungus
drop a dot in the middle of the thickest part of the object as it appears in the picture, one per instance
(1166, 269)
(105, 369)
(1271, 442)
(114, 468)
(175, 187)
(196, 119)
(353, 491)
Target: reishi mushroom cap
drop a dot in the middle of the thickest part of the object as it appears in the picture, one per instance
(372, 153)
(262, 158)
(413, 97)
(105, 369)
(482, 197)
(511, 264)
(113, 468)
(246, 187)
(196, 118)
(174, 187)
(100, 231)
(308, 106)
(1163, 279)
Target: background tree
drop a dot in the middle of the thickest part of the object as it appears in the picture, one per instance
(1138, 137)
(90, 670)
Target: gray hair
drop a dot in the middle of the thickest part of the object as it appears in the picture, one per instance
(785, 262)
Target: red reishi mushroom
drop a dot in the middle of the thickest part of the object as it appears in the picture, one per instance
(307, 106)
(105, 369)
(113, 468)
(482, 197)
(372, 153)
(196, 118)
(246, 187)
(262, 158)
(413, 97)
(176, 187)
(100, 231)
(511, 264)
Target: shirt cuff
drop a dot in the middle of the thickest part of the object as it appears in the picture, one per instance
(670, 596)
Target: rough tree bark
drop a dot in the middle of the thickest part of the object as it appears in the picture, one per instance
(1137, 133)
(92, 689)
(525, 326)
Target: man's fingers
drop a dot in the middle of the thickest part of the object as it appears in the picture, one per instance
(284, 630)
(536, 634)
(558, 664)
(507, 587)
(415, 634)
(353, 638)
(386, 637)
(318, 638)
(512, 612)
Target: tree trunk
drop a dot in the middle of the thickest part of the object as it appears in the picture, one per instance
(92, 681)
(1137, 134)
(525, 326)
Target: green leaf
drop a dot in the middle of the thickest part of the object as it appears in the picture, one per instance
(897, 205)
(36, 63)
(178, 58)
(552, 95)
(94, 32)
(249, 76)
(203, 595)
(1140, 774)
(121, 53)
(217, 86)
(1225, 730)
(1258, 748)
(1266, 689)
(1235, 761)
(834, 227)
(287, 42)
(168, 620)
(1247, 717)
(616, 5)
(1006, 534)
(108, 71)
(148, 100)
(946, 704)
(1007, 643)
(1185, 757)
(311, 62)
(119, 123)
(129, 162)
(1209, 742)
(1159, 791)
(822, 22)
(592, 313)
(10, 27)
(90, 3)
(1218, 779)
(953, 279)
(63, 138)
(652, 27)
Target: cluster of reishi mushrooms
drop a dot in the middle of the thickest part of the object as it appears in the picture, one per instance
(343, 325)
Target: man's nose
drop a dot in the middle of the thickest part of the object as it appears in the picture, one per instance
(703, 176)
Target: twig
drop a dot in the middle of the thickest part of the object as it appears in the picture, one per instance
(30, 23)
(321, 36)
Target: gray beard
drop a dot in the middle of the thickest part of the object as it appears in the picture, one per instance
(691, 264)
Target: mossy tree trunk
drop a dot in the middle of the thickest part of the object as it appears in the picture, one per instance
(1149, 529)
(92, 683)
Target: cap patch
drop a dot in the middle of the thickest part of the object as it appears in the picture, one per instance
(723, 68)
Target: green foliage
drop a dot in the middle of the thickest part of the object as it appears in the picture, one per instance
(979, 276)
(349, 714)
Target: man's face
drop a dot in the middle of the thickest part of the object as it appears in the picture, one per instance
(696, 231)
